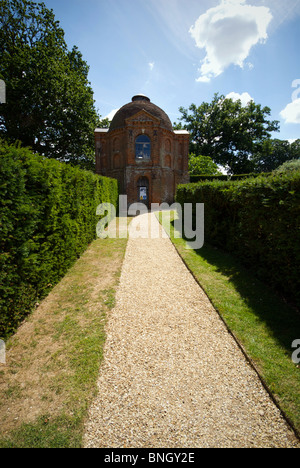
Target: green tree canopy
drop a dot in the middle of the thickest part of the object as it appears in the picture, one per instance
(289, 166)
(230, 133)
(273, 153)
(200, 165)
(49, 100)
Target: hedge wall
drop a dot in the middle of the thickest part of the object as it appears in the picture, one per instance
(47, 219)
(259, 221)
(202, 177)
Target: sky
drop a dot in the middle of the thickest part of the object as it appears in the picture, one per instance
(182, 52)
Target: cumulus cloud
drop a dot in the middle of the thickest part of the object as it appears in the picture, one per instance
(245, 98)
(111, 115)
(151, 65)
(228, 32)
(291, 113)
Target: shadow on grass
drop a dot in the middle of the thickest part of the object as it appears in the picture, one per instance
(263, 324)
(282, 320)
(240, 296)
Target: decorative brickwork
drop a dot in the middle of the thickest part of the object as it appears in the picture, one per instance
(143, 152)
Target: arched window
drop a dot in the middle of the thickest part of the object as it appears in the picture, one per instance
(116, 144)
(142, 147)
(168, 161)
(117, 161)
(168, 145)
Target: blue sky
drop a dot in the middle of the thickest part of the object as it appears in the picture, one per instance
(181, 52)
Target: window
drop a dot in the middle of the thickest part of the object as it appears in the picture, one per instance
(142, 147)
(168, 145)
(116, 144)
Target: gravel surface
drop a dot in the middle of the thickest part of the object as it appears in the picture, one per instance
(172, 375)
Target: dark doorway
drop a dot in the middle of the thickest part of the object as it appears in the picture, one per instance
(143, 190)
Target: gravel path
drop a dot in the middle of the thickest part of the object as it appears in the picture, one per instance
(172, 375)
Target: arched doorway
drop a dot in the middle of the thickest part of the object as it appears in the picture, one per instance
(143, 190)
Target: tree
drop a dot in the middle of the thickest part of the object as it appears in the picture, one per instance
(289, 166)
(103, 123)
(49, 104)
(228, 132)
(199, 165)
(295, 149)
(274, 153)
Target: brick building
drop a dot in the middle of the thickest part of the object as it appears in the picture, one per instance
(143, 152)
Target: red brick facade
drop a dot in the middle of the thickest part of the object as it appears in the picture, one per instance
(141, 150)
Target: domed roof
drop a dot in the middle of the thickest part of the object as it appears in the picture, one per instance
(139, 102)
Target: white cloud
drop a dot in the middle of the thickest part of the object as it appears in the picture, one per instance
(111, 115)
(203, 79)
(291, 113)
(245, 98)
(151, 65)
(228, 32)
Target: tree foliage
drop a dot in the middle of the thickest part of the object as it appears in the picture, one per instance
(289, 166)
(202, 165)
(273, 153)
(103, 123)
(230, 133)
(49, 104)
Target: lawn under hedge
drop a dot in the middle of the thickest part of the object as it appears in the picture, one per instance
(263, 324)
(258, 221)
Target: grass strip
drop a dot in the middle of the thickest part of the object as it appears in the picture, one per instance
(53, 361)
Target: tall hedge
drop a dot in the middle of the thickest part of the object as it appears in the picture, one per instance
(47, 219)
(259, 221)
(204, 177)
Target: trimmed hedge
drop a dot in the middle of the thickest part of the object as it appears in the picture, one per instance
(47, 219)
(259, 221)
(202, 177)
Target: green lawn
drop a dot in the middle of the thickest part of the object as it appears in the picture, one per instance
(263, 324)
(54, 358)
